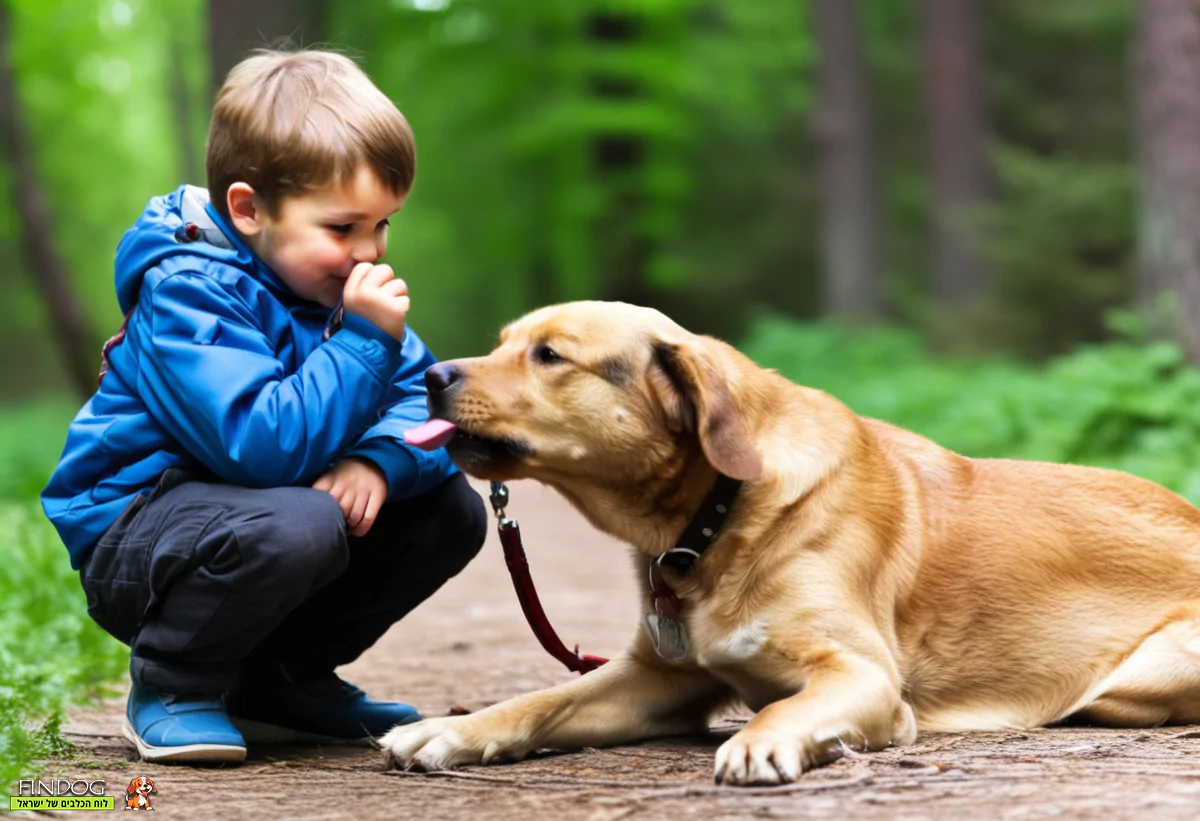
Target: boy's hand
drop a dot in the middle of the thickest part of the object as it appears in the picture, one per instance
(360, 490)
(378, 296)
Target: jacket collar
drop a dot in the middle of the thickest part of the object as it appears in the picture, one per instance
(197, 210)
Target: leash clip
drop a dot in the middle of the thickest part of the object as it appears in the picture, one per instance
(499, 499)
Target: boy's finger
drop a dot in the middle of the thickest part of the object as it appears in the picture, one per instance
(357, 274)
(396, 287)
(379, 274)
(344, 500)
(374, 502)
(357, 508)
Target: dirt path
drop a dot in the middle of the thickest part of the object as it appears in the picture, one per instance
(470, 646)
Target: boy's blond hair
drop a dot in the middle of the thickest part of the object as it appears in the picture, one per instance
(286, 122)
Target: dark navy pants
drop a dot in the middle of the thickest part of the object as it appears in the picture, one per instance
(202, 579)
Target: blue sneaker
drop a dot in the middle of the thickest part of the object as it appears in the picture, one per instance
(271, 706)
(168, 728)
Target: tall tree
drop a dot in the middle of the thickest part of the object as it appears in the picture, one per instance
(69, 325)
(619, 156)
(958, 133)
(1166, 68)
(237, 26)
(850, 268)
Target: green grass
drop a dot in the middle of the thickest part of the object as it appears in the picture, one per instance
(51, 654)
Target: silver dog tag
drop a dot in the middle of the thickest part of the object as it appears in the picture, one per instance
(669, 637)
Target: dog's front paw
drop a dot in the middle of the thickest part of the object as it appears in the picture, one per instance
(427, 745)
(762, 757)
(442, 744)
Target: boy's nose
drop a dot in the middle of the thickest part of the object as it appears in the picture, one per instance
(366, 251)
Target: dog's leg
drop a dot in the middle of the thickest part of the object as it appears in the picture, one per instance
(1159, 683)
(628, 699)
(851, 703)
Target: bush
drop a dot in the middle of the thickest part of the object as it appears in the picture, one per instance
(51, 653)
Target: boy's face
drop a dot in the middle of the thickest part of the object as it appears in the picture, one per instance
(318, 237)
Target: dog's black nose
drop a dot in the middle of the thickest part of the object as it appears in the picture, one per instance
(441, 376)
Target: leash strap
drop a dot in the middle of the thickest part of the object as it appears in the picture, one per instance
(518, 567)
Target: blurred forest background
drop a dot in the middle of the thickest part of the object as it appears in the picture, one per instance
(978, 219)
(889, 200)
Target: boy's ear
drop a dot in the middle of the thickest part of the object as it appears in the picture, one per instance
(243, 208)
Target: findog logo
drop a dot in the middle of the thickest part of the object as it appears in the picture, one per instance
(137, 797)
(61, 794)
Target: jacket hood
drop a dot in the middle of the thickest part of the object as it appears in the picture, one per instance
(182, 222)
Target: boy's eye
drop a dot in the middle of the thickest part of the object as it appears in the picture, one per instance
(383, 223)
(341, 229)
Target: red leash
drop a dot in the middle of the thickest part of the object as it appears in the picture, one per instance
(518, 568)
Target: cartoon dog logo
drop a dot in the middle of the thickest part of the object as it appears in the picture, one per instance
(137, 797)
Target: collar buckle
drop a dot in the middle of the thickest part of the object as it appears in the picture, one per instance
(701, 532)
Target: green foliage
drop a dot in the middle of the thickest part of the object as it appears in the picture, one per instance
(652, 151)
(51, 653)
(1062, 241)
(1119, 405)
(1060, 237)
(582, 150)
(890, 34)
(31, 439)
(92, 78)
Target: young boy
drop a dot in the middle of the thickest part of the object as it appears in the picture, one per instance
(237, 495)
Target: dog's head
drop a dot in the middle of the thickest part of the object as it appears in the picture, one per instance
(141, 785)
(599, 393)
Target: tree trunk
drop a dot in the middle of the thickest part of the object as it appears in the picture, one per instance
(850, 269)
(238, 26)
(72, 334)
(617, 157)
(1166, 68)
(958, 134)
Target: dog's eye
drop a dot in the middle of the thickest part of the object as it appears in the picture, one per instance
(546, 355)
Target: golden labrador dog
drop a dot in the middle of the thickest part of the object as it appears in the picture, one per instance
(865, 584)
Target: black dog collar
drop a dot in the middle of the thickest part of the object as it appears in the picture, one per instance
(704, 526)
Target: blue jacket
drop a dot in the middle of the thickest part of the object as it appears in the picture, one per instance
(223, 367)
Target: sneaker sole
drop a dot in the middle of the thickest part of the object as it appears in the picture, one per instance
(258, 732)
(187, 753)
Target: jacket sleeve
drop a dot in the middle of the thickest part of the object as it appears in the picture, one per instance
(211, 377)
(409, 471)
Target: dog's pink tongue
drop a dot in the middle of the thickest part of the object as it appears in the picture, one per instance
(432, 435)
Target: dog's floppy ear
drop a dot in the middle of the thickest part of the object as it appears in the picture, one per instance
(694, 394)
(132, 789)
